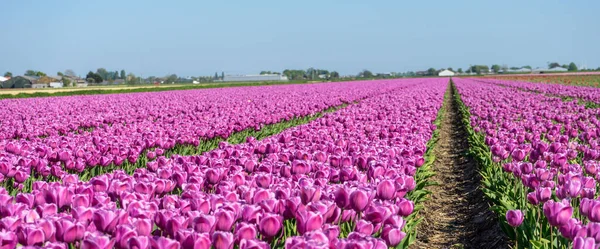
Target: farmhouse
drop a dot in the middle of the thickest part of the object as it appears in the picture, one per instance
(264, 77)
(446, 73)
(2, 79)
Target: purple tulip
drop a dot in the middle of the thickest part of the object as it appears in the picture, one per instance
(364, 227)
(514, 217)
(557, 213)
(359, 200)
(139, 242)
(107, 220)
(253, 244)
(204, 224)
(584, 243)
(308, 221)
(196, 241)
(392, 236)
(8, 240)
(310, 194)
(30, 235)
(68, 232)
(270, 225)
(163, 243)
(245, 231)
(225, 220)
(222, 240)
(405, 207)
(342, 199)
(386, 190)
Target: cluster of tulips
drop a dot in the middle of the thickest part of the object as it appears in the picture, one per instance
(45, 138)
(543, 168)
(343, 180)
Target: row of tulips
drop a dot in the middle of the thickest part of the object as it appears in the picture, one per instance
(539, 163)
(131, 129)
(345, 180)
(588, 95)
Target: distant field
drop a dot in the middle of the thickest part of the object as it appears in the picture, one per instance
(49, 92)
(15, 91)
(576, 79)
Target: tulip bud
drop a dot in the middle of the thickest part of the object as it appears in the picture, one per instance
(514, 217)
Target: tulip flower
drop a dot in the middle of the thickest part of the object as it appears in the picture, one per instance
(584, 243)
(514, 217)
(270, 225)
(222, 240)
(386, 190)
(163, 243)
(392, 236)
(308, 221)
(68, 232)
(359, 200)
(30, 235)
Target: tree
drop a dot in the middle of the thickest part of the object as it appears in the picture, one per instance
(460, 70)
(30, 73)
(8, 74)
(565, 66)
(366, 74)
(450, 69)
(116, 73)
(479, 69)
(60, 74)
(94, 76)
(66, 82)
(70, 73)
(496, 68)
(431, 71)
(40, 74)
(334, 75)
(123, 74)
(222, 75)
(553, 65)
(103, 73)
(528, 67)
(131, 79)
(173, 78)
(572, 67)
(294, 74)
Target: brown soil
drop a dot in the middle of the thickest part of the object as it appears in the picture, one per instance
(457, 214)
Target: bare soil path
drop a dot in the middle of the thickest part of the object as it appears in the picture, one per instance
(457, 214)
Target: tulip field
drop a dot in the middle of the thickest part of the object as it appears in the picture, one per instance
(333, 165)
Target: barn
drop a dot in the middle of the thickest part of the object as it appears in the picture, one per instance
(446, 73)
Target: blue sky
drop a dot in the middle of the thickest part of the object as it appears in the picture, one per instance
(194, 37)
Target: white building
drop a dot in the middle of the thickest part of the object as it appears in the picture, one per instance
(56, 84)
(2, 79)
(263, 77)
(446, 73)
(543, 70)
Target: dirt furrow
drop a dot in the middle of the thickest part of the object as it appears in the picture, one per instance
(457, 214)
